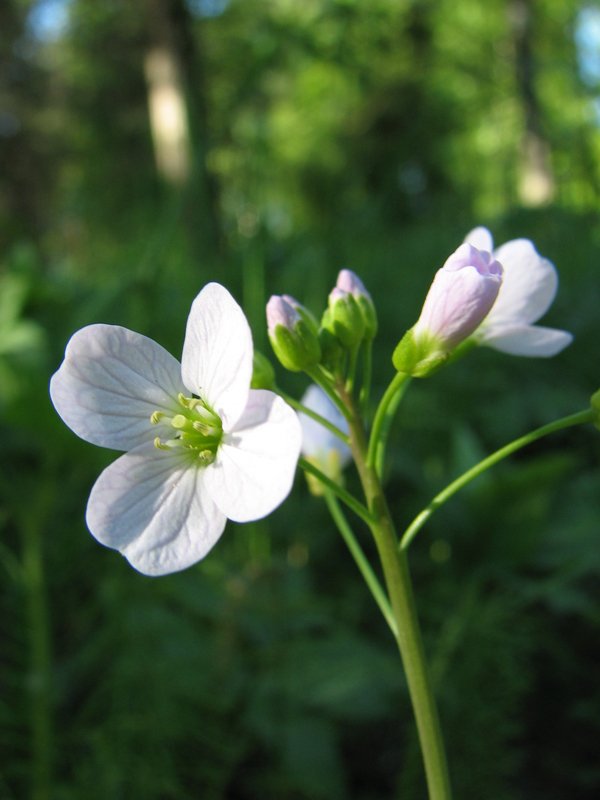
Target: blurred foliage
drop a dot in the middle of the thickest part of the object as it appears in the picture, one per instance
(325, 133)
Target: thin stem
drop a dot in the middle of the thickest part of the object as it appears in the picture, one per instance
(353, 504)
(352, 368)
(313, 415)
(366, 381)
(399, 588)
(361, 560)
(442, 497)
(319, 376)
(383, 419)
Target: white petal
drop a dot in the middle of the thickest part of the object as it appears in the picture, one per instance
(480, 238)
(217, 353)
(254, 469)
(153, 507)
(317, 441)
(110, 382)
(529, 284)
(526, 340)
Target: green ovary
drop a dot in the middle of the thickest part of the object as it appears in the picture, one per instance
(197, 428)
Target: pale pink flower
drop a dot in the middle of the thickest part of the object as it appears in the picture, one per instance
(528, 288)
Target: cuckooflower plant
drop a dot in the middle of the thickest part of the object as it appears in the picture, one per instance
(207, 440)
(529, 285)
(201, 446)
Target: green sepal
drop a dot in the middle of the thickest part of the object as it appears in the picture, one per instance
(369, 315)
(297, 348)
(345, 320)
(418, 356)
(308, 317)
(332, 351)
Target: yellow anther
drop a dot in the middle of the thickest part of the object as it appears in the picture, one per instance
(156, 417)
(179, 421)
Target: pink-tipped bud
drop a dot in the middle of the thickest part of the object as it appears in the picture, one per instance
(461, 296)
(349, 282)
(294, 339)
(281, 312)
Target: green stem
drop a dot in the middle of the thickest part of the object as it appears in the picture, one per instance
(352, 368)
(353, 504)
(320, 377)
(415, 526)
(383, 419)
(408, 636)
(313, 415)
(361, 560)
(366, 381)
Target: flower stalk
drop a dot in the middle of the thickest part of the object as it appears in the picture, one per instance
(581, 418)
(398, 584)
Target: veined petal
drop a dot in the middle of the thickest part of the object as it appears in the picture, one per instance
(111, 381)
(525, 340)
(153, 507)
(529, 284)
(255, 465)
(217, 353)
(456, 303)
(480, 238)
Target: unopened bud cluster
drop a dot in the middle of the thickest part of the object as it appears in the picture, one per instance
(301, 343)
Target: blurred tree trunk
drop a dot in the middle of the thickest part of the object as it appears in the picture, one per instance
(536, 184)
(179, 113)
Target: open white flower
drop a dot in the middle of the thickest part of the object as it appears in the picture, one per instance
(529, 285)
(319, 445)
(201, 445)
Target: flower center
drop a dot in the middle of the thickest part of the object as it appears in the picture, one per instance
(196, 427)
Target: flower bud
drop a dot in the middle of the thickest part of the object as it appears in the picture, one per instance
(263, 374)
(348, 281)
(294, 340)
(461, 295)
(344, 319)
(306, 315)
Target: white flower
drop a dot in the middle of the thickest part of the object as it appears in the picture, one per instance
(321, 447)
(529, 284)
(201, 445)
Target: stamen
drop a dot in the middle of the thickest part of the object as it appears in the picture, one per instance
(202, 427)
(206, 457)
(197, 429)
